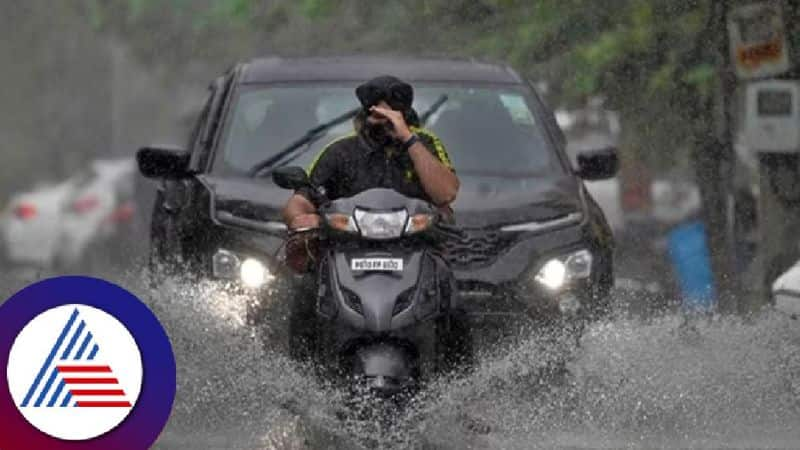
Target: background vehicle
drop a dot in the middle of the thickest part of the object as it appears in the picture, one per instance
(786, 291)
(98, 213)
(534, 239)
(58, 225)
(30, 225)
(586, 129)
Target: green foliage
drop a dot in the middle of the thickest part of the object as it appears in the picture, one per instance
(236, 11)
(315, 9)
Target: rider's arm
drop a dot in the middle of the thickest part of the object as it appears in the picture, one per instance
(434, 170)
(299, 211)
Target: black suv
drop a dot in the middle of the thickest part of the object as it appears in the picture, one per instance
(532, 237)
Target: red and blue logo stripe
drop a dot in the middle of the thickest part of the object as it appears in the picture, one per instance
(75, 379)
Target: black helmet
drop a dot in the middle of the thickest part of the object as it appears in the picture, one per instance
(397, 93)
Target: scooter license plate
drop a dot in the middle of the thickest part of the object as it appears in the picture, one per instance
(377, 264)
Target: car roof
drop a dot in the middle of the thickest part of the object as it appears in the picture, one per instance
(361, 68)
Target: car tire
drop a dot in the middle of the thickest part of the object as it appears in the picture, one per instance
(600, 295)
(165, 253)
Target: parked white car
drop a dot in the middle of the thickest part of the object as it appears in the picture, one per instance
(30, 225)
(97, 208)
(786, 291)
(56, 224)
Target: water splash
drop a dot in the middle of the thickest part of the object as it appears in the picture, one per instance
(632, 383)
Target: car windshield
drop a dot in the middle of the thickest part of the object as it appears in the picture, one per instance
(474, 122)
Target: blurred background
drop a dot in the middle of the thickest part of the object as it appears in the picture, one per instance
(86, 82)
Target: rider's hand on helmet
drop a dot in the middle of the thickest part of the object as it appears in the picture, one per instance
(399, 129)
(305, 222)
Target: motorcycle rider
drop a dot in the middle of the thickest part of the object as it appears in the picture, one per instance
(387, 150)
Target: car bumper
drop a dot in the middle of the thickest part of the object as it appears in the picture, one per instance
(524, 255)
(508, 285)
(504, 286)
(786, 291)
(29, 245)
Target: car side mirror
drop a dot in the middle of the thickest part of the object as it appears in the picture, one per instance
(292, 177)
(163, 162)
(598, 164)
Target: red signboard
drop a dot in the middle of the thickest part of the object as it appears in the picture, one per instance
(758, 40)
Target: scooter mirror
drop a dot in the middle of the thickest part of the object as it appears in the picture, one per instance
(290, 177)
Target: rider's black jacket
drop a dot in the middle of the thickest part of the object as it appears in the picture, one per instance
(350, 165)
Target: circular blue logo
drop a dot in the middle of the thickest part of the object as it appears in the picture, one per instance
(87, 366)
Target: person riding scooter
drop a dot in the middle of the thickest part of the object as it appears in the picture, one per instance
(387, 150)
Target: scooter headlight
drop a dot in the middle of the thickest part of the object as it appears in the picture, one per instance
(559, 272)
(382, 225)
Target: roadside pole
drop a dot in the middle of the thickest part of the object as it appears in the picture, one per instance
(713, 160)
(725, 258)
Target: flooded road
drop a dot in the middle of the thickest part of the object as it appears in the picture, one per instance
(633, 383)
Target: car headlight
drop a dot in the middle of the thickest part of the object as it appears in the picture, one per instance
(254, 273)
(559, 272)
(553, 274)
(250, 272)
(383, 225)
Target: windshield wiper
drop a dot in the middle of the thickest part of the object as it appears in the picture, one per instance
(308, 138)
(432, 110)
(315, 133)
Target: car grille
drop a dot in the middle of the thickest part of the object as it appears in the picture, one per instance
(477, 248)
